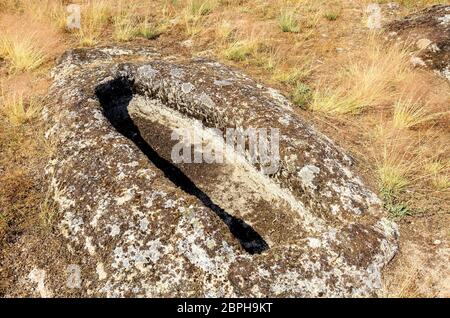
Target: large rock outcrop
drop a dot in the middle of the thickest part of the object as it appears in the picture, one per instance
(134, 223)
(429, 31)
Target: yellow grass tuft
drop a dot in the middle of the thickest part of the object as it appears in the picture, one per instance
(124, 28)
(194, 11)
(241, 50)
(288, 21)
(18, 111)
(364, 82)
(400, 159)
(397, 161)
(293, 75)
(197, 8)
(408, 113)
(269, 59)
(48, 210)
(9, 4)
(392, 177)
(224, 30)
(21, 54)
(439, 174)
(420, 3)
(53, 11)
(301, 95)
(148, 30)
(94, 17)
(332, 13)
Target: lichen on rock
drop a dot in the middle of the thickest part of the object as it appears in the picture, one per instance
(429, 32)
(139, 225)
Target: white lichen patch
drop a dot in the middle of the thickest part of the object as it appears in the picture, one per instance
(126, 196)
(147, 72)
(101, 271)
(307, 175)
(314, 242)
(187, 88)
(207, 101)
(445, 20)
(89, 245)
(38, 278)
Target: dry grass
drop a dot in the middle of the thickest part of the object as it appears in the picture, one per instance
(409, 113)
(288, 21)
(148, 30)
(48, 11)
(301, 96)
(439, 174)
(393, 172)
(94, 18)
(413, 4)
(399, 159)
(366, 81)
(224, 31)
(241, 50)
(124, 27)
(194, 12)
(293, 75)
(24, 154)
(17, 111)
(197, 8)
(21, 53)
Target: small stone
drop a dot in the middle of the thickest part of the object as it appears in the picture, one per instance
(428, 29)
(187, 43)
(422, 44)
(393, 6)
(417, 61)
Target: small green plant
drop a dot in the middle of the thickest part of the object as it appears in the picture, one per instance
(302, 95)
(148, 31)
(196, 8)
(292, 75)
(288, 21)
(391, 203)
(397, 210)
(392, 179)
(331, 15)
(240, 50)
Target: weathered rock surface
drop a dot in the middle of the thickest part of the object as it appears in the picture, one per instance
(429, 31)
(135, 224)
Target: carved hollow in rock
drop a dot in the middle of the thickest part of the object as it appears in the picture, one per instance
(140, 225)
(115, 97)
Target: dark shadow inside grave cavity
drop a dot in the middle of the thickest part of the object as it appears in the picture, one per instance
(115, 96)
